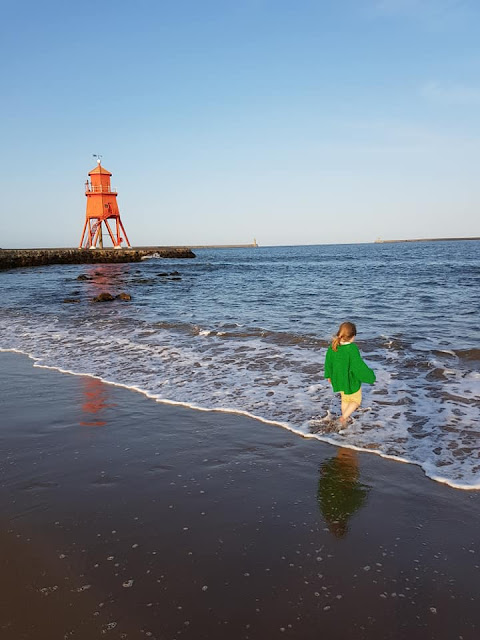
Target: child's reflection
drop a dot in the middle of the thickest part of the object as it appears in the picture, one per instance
(340, 493)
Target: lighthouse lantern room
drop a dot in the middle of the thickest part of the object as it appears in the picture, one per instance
(102, 207)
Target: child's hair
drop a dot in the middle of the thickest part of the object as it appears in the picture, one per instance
(346, 331)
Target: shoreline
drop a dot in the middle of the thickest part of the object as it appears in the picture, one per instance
(135, 519)
(237, 412)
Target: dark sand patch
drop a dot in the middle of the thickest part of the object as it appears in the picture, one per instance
(126, 519)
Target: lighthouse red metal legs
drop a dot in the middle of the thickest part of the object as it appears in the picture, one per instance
(124, 233)
(101, 207)
(83, 234)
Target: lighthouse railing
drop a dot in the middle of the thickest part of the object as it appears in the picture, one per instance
(99, 189)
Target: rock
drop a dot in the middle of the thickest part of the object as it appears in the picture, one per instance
(71, 300)
(104, 297)
(123, 296)
(174, 273)
(163, 275)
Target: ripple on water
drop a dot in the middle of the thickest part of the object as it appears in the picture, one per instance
(262, 353)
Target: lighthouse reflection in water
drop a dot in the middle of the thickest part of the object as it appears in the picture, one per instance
(95, 393)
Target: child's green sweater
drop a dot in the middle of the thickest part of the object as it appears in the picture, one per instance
(346, 369)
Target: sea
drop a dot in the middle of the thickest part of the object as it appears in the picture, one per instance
(246, 331)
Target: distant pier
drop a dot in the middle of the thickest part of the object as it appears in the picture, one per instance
(14, 258)
(380, 241)
(252, 245)
(226, 246)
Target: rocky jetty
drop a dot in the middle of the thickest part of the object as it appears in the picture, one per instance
(12, 258)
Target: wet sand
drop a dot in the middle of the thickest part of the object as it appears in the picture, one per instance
(126, 519)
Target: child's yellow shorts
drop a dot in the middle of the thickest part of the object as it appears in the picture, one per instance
(352, 397)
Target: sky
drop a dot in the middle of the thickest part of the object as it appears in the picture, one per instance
(288, 121)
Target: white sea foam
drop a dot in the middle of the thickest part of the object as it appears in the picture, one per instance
(420, 423)
(246, 332)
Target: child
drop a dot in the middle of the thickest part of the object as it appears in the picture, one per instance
(345, 369)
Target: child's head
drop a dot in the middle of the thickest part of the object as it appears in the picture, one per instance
(345, 333)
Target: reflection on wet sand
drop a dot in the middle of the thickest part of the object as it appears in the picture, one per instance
(95, 394)
(340, 494)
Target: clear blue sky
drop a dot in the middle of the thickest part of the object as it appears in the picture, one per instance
(292, 121)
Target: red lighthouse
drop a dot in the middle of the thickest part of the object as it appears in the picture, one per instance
(101, 207)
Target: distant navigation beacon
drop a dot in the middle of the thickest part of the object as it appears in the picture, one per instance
(101, 207)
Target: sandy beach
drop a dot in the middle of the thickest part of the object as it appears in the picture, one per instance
(124, 518)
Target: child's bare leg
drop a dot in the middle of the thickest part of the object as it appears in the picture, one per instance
(347, 409)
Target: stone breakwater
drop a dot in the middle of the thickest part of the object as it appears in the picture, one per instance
(12, 258)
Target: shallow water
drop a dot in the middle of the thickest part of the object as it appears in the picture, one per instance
(246, 331)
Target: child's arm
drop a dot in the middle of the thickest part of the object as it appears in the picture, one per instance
(360, 369)
(328, 365)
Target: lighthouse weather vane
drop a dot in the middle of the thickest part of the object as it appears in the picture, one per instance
(98, 157)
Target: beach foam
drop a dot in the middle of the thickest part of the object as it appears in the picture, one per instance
(432, 423)
(246, 332)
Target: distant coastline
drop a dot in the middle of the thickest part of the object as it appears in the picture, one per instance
(380, 241)
(251, 245)
(225, 246)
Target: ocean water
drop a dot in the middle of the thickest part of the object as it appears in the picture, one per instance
(246, 330)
